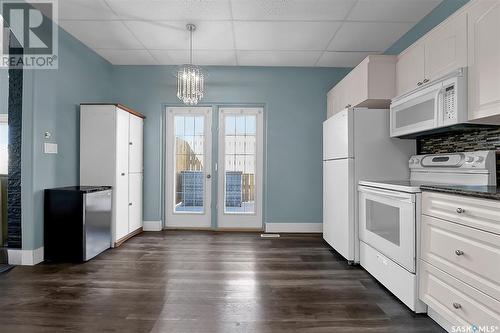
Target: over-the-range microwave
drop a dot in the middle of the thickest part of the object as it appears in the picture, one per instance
(438, 104)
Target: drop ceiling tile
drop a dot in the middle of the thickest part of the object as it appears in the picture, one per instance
(168, 35)
(127, 57)
(273, 36)
(172, 9)
(85, 10)
(102, 34)
(368, 36)
(278, 58)
(200, 57)
(300, 10)
(341, 59)
(392, 10)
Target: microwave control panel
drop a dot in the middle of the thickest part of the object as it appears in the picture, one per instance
(450, 112)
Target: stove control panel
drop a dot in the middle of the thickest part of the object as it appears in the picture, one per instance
(485, 159)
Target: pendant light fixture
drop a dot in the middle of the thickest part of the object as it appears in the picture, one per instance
(190, 78)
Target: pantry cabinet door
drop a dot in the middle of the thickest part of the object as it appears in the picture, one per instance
(446, 48)
(135, 204)
(484, 60)
(410, 69)
(136, 144)
(120, 192)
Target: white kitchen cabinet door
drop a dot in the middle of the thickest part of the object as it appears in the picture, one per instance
(135, 201)
(446, 48)
(410, 68)
(121, 189)
(136, 145)
(484, 60)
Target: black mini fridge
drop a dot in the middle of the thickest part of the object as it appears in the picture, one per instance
(77, 222)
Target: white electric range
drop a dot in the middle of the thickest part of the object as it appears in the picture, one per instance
(389, 216)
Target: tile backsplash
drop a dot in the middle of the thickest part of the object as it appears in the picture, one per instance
(481, 139)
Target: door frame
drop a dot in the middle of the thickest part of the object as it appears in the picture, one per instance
(164, 128)
(252, 220)
(187, 220)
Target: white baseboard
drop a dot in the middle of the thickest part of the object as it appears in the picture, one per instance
(25, 257)
(152, 226)
(295, 227)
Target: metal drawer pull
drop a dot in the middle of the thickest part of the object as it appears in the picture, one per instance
(457, 305)
(459, 252)
(460, 210)
(425, 81)
(419, 84)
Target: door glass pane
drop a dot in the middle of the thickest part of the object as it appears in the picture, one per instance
(189, 179)
(383, 220)
(239, 178)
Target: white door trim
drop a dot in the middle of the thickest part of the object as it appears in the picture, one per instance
(187, 220)
(243, 221)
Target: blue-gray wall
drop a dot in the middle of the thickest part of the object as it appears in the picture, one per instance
(51, 103)
(295, 107)
(436, 16)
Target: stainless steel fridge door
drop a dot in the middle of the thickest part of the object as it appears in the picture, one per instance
(97, 223)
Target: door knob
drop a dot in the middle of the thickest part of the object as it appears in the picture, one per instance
(209, 176)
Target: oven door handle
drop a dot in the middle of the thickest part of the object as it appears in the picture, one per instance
(407, 197)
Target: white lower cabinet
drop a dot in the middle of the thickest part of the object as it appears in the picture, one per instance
(135, 201)
(460, 261)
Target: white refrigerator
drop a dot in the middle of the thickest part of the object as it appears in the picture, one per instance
(356, 146)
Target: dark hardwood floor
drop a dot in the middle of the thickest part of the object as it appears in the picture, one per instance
(180, 281)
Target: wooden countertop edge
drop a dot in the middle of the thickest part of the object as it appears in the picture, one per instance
(121, 106)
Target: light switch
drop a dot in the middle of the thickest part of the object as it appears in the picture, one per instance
(50, 148)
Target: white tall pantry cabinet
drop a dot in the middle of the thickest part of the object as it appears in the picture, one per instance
(111, 153)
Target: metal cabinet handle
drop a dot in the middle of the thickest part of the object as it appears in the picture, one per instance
(209, 176)
(348, 106)
(419, 84)
(123, 173)
(130, 204)
(425, 81)
(460, 210)
(130, 143)
(457, 305)
(459, 252)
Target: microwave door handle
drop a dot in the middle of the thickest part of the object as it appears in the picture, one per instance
(438, 108)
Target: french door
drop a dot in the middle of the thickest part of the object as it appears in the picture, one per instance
(188, 167)
(238, 169)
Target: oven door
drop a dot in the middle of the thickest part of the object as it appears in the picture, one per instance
(416, 112)
(387, 223)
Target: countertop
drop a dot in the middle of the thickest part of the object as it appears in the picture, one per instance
(485, 192)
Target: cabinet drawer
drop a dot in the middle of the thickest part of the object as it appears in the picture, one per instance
(478, 260)
(457, 302)
(473, 212)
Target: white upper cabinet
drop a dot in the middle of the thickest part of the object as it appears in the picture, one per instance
(410, 69)
(484, 61)
(136, 144)
(370, 84)
(440, 52)
(446, 48)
